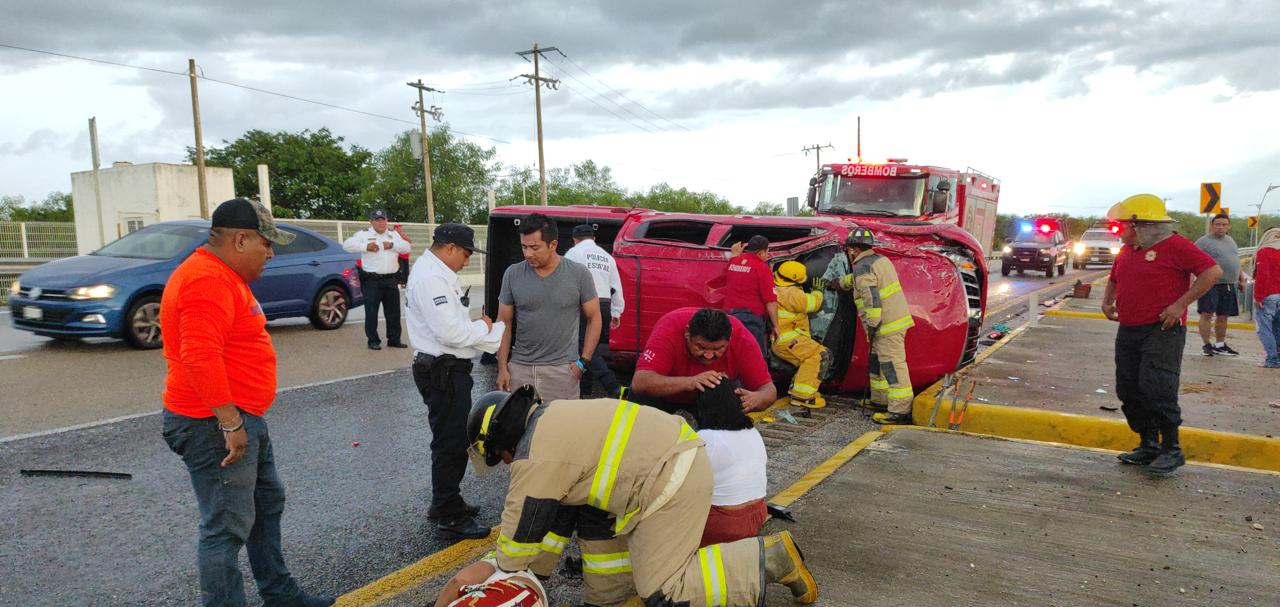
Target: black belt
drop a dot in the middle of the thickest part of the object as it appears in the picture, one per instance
(451, 362)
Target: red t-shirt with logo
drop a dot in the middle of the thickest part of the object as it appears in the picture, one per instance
(215, 341)
(666, 354)
(1266, 273)
(748, 284)
(1148, 280)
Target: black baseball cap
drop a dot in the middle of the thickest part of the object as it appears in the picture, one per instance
(245, 214)
(583, 231)
(377, 214)
(757, 243)
(456, 233)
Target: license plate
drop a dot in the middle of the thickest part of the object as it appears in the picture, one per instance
(32, 313)
(1096, 258)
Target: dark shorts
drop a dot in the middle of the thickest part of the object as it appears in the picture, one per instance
(1220, 300)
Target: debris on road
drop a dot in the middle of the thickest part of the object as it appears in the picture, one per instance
(1258, 526)
(1106, 408)
(77, 474)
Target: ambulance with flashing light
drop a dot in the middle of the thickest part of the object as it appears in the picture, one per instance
(1098, 245)
(673, 260)
(1039, 245)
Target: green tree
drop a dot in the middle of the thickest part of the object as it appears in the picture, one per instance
(55, 207)
(461, 172)
(663, 197)
(765, 207)
(312, 175)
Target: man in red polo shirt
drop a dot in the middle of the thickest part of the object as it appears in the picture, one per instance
(221, 381)
(692, 350)
(748, 290)
(1148, 295)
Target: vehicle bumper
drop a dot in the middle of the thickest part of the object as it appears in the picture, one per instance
(66, 318)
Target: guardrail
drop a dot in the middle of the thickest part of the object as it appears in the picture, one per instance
(26, 244)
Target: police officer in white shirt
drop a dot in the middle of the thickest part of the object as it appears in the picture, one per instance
(604, 272)
(445, 339)
(380, 251)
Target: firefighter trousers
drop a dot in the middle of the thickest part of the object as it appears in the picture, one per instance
(890, 378)
(813, 360)
(669, 568)
(606, 563)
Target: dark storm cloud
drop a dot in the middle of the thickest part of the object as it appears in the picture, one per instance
(358, 54)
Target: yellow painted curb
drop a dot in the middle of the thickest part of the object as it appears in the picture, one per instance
(1210, 446)
(396, 582)
(1243, 326)
(820, 472)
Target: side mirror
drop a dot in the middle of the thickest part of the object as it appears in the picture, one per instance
(944, 185)
(940, 201)
(812, 197)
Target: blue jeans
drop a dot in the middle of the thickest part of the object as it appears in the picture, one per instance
(1266, 319)
(240, 505)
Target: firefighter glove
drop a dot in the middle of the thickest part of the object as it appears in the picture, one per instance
(818, 284)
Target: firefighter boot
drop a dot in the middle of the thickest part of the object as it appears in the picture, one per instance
(814, 402)
(1170, 457)
(887, 418)
(784, 565)
(1147, 450)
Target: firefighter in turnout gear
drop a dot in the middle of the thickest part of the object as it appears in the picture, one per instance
(646, 476)
(882, 307)
(794, 343)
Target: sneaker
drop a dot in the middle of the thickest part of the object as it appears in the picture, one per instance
(1207, 350)
(1225, 350)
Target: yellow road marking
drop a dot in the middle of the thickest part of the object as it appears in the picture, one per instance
(398, 581)
(820, 472)
(1243, 326)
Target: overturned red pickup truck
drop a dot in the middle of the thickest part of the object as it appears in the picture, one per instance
(673, 260)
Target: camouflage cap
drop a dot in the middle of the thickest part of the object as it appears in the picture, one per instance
(246, 214)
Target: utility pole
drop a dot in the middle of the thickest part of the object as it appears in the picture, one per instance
(97, 179)
(817, 148)
(536, 80)
(195, 114)
(422, 112)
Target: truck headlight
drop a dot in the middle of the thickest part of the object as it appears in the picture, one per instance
(93, 292)
(14, 288)
(1079, 248)
(1007, 249)
(1115, 250)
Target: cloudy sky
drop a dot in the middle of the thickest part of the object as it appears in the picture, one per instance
(1074, 105)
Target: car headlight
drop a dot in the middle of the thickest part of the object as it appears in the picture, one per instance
(1079, 248)
(1007, 249)
(14, 288)
(1115, 250)
(94, 292)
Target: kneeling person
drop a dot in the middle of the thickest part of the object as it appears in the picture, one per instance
(648, 472)
(794, 344)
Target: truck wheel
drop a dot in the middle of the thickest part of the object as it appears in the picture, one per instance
(1062, 269)
(329, 309)
(1004, 270)
(142, 323)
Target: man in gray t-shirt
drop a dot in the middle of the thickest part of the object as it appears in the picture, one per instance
(545, 295)
(1219, 304)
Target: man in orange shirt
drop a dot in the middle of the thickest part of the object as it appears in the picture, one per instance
(221, 381)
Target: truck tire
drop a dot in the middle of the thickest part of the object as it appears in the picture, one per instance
(1062, 268)
(1004, 270)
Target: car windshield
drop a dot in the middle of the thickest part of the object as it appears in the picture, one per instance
(1101, 235)
(1034, 237)
(873, 195)
(155, 242)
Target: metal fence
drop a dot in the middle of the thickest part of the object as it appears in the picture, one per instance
(24, 244)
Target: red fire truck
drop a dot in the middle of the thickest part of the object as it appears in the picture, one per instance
(673, 260)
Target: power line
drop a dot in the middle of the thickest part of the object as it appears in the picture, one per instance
(615, 114)
(619, 93)
(237, 85)
(602, 96)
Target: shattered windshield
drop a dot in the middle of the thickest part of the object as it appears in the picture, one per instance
(873, 195)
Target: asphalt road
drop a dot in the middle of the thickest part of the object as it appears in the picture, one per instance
(355, 513)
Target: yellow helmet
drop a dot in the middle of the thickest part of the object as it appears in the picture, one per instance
(790, 273)
(1139, 207)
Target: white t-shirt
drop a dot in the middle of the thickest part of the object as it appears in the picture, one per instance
(738, 461)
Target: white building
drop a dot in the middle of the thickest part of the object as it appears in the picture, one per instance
(136, 195)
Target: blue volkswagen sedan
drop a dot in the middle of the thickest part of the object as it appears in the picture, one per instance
(115, 291)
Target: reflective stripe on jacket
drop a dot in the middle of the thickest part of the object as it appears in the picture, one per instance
(882, 305)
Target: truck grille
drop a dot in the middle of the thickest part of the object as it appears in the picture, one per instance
(973, 285)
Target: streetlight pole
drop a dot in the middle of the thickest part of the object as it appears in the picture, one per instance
(1258, 211)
